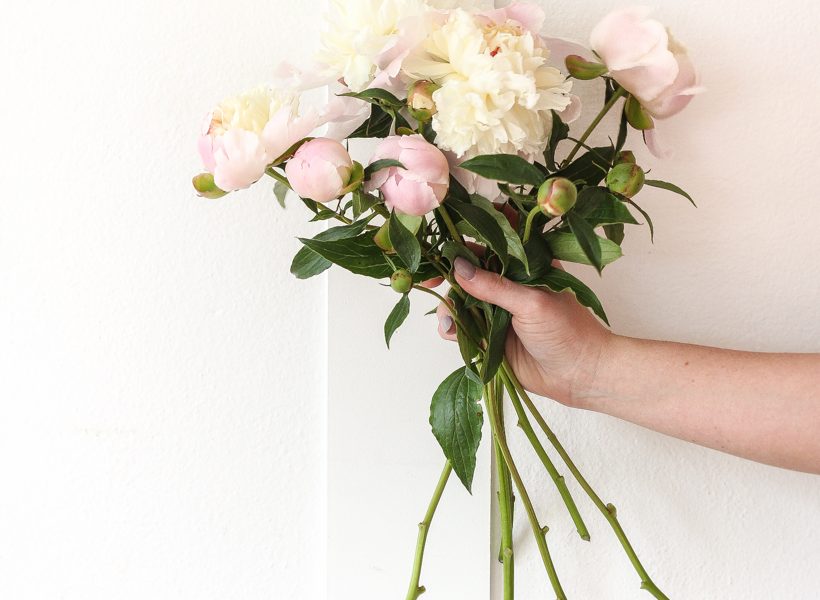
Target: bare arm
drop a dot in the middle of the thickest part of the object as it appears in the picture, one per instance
(765, 407)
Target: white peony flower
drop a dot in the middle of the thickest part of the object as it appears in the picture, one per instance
(497, 89)
(360, 32)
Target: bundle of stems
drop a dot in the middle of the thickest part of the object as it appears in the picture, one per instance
(509, 478)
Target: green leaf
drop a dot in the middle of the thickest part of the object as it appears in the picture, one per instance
(359, 255)
(396, 318)
(586, 237)
(505, 167)
(648, 220)
(377, 125)
(670, 187)
(405, 243)
(599, 206)
(496, 343)
(615, 232)
(362, 202)
(456, 419)
(514, 245)
(308, 263)
(378, 165)
(450, 250)
(560, 131)
(486, 228)
(558, 281)
(591, 167)
(540, 261)
(377, 96)
(280, 190)
(565, 246)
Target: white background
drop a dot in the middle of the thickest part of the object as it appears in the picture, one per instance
(171, 399)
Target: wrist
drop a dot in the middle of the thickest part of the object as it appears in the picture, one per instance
(596, 378)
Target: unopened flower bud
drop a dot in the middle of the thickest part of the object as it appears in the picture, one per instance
(556, 196)
(636, 114)
(401, 281)
(626, 156)
(581, 68)
(625, 179)
(382, 239)
(420, 100)
(205, 186)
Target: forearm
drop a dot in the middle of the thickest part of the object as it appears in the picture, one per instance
(765, 407)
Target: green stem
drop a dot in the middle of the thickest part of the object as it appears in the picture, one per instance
(415, 590)
(528, 226)
(538, 532)
(505, 509)
(620, 92)
(557, 478)
(451, 226)
(608, 510)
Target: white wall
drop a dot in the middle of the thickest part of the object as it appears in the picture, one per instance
(161, 372)
(163, 379)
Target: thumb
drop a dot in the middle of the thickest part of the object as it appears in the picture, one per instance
(491, 287)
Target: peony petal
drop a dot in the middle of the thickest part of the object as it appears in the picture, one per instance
(240, 159)
(656, 145)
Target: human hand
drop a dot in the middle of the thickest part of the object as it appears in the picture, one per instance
(555, 345)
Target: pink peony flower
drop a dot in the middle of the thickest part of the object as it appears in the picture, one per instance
(418, 188)
(320, 170)
(246, 133)
(642, 57)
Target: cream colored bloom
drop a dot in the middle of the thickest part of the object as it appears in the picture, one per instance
(497, 90)
(359, 33)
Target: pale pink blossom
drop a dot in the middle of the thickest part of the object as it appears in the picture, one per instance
(643, 57)
(419, 187)
(320, 170)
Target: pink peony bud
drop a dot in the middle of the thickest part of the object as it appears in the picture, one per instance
(556, 196)
(419, 187)
(320, 170)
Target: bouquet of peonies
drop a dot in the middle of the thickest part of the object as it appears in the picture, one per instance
(475, 161)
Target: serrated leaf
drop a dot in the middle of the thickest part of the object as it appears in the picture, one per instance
(486, 228)
(586, 237)
(599, 206)
(308, 263)
(496, 343)
(670, 187)
(558, 281)
(505, 167)
(396, 318)
(405, 243)
(514, 245)
(565, 246)
(280, 190)
(456, 419)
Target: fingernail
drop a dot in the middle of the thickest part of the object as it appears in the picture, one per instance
(445, 322)
(464, 268)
